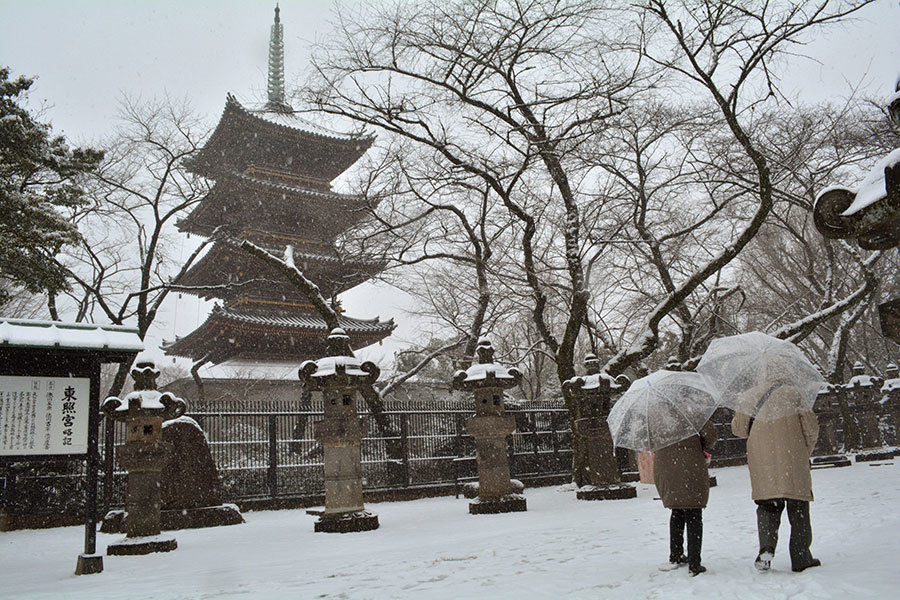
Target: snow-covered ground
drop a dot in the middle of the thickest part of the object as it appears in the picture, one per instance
(560, 548)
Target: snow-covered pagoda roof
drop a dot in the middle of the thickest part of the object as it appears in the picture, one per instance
(250, 276)
(240, 199)
(32, 333)
(243, 138)
(232, 332)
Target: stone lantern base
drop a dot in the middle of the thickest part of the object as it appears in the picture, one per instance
(834, 460)
(184, 518)
(503, 504)
(876, 454)
(347, 522)
(612, 491)
(142, 545)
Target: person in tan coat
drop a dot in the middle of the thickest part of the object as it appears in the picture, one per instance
(780, 440)
(682, 480)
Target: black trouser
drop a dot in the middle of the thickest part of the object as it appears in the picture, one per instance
(768, 519)
(693, 519)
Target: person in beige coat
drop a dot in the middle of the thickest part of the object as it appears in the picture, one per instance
(682, 480)
(780, 440)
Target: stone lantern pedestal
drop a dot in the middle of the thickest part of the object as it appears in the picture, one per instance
(592, 397)
(491, 426)
(339, 379)
(143, 456)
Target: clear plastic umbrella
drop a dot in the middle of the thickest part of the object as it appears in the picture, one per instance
(750, 367)
(661, 409)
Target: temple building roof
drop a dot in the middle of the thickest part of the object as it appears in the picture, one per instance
(243, 139)
(232, 333)
(225, 263)
(251, 202)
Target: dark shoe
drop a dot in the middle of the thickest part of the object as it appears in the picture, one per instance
(815, 563)
(696, 570)
(764, 560)
(679, 559)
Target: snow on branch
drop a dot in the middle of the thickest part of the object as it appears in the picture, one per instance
(297, 278)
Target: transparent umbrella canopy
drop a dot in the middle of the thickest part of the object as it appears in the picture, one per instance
(747, 368)
(661, 409)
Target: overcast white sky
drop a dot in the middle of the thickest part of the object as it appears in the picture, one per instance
(87, 53)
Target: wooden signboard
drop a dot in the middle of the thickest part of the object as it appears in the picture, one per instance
(50, 400)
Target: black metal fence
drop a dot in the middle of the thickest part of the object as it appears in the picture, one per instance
(266, 450)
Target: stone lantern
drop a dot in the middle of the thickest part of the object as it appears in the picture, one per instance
(143, 456)
(862, 393)
(890, 404)
(339, 378)
(592, 397)
(490, 427)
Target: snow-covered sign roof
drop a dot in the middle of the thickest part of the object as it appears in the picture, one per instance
(32, 333)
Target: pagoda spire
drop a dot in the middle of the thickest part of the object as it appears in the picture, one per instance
(276, 67)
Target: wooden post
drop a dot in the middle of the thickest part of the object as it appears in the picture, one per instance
(273, 456)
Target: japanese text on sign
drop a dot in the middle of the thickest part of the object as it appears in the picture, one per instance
(43, 415)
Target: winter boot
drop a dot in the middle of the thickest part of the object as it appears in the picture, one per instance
(764, 559)
(814, 563)
(696, 570)
(678, 559)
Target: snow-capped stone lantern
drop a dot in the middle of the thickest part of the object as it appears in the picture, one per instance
(890, 404)
(870, 214)
(592, 395)
(490, 427)
(863, 395)
(143, 455)
(340, 377)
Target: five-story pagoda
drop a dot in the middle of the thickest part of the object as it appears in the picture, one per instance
(272, 187)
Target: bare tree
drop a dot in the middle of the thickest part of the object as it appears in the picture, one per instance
(123, 269)
(727, 52)
(436, 231)
(500, 92)
(509, 93)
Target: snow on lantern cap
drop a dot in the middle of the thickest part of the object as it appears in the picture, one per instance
(594, 379)
(486, 373)
(145, 400)
(339, 369)
(860, 379)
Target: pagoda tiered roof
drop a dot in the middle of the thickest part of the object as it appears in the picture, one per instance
(241, 334)
(249, 202)
(251, 278)
(273, 171)
(245, 139)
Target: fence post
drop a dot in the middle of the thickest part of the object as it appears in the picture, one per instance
(109, 472)
(459, 452)
(273, 456)
(554, 440)
(404, 447)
